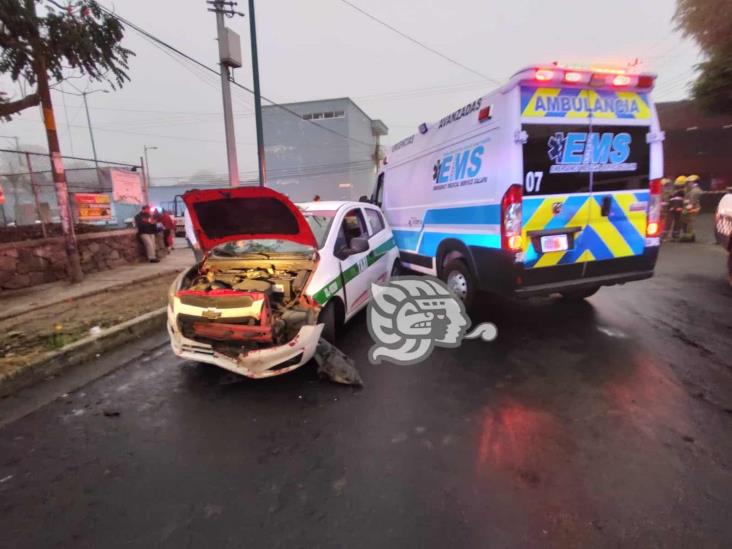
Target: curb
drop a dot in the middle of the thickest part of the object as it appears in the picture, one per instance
(146, 278)
(83, 350)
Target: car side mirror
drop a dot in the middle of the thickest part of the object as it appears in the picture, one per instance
(364, 198)
(358, 245)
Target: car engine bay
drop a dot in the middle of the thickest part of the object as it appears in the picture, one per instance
(241, 304)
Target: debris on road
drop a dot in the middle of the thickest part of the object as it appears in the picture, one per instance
(111, 413)
(335, 365)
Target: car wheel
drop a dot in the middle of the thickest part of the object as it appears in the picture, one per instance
(329, 319)
(579, 295)
(460, 281)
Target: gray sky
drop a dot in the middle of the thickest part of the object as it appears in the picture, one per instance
(313, 49)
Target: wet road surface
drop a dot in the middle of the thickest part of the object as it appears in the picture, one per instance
(600, 424)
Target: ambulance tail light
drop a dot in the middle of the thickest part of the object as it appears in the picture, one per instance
(511, 239)
(653, 222)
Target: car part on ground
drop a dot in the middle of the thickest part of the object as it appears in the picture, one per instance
(335, 365)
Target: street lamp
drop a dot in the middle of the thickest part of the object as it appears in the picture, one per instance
(147, 172)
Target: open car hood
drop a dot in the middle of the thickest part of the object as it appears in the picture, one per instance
(245, 213)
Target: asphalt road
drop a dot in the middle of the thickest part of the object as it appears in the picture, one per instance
(603, 424)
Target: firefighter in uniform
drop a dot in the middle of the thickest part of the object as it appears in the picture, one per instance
(675, 209)
(692, 206)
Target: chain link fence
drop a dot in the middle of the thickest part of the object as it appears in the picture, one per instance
(29, 208)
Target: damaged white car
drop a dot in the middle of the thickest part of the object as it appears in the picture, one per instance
(275, 277)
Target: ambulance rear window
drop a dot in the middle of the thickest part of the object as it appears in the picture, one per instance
(559, 158)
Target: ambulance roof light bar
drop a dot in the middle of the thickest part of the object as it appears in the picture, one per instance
(584, 76)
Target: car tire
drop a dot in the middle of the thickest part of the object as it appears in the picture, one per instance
(460, 281)
(329, 318)
(579, 295)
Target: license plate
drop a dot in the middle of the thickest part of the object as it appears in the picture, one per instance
(554, 243)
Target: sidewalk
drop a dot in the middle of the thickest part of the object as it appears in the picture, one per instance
(18, 302)
(54, 326)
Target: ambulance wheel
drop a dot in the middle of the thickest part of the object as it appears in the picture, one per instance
(329, 318)
(460, 281)
(579, 295)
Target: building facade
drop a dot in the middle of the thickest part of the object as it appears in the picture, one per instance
(330, 149)
(696, 143)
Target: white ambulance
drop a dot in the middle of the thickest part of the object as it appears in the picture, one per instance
(550, 184)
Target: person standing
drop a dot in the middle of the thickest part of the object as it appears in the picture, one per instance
(692, 208)
(146, 229)
(168, 228)
(191, 236)
(675, 209)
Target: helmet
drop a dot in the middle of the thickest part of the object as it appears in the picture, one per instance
(693, 178)
(680, 181)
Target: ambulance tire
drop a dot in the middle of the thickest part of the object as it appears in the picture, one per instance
(579, 295)
(329, 316)
(460, 281)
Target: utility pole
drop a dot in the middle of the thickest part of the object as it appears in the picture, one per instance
(146, 173)
(229, 57)
(257, 97)
(54, 150)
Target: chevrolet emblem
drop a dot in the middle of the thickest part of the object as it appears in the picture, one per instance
(211, 314)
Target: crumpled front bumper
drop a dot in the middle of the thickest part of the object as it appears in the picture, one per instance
(268, 362)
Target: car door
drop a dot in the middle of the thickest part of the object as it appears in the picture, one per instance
(352, 266)
(380, 242)
(619, 183)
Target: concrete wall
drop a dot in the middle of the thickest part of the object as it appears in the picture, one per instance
(32, 262)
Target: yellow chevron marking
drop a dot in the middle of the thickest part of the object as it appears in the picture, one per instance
(530, 109)
(549, 259)
(585, 257)
(644, 112)
(541, 217)
(581, 216)
(608, 232)
(638, 218)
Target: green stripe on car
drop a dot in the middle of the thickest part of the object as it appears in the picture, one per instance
(334, 286)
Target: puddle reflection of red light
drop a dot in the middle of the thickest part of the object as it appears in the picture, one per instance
(514, 436)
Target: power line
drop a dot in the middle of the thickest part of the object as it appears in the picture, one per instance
(421, 44)
(204, 66)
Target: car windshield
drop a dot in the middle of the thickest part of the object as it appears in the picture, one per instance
(320, 225)
(264, 246)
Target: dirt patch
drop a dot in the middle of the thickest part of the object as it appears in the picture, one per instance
(27, 337)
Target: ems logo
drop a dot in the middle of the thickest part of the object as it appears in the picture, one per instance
(581, 152)
(436, 170)
(556, 208)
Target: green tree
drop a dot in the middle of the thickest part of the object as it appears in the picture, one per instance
(79, 37)
(709, 23)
